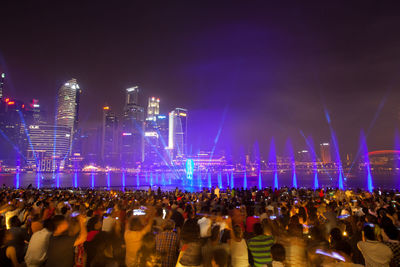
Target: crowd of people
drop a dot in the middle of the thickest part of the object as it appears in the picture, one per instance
(211, 228)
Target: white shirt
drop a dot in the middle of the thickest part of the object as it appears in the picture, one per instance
(239, 254)
(37, 248)
(375, 253)
(205, 225)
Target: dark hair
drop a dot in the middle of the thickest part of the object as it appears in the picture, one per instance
(48, 224)
(258, 229)
(220, 256)
(190, 231)
(92, 222)
(336, 235)
(369, 232)
(14, 221)
(215, 232)
(278, 252)
(226, 235)
(392, 232)
(135, 224)
(57, 220)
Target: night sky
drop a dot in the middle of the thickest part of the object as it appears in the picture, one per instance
(259, 69)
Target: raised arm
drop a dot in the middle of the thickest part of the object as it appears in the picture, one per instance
(83, 232)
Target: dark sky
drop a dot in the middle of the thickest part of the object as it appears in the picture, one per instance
(271, 66)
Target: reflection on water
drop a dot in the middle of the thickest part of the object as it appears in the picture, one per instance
(121, 180)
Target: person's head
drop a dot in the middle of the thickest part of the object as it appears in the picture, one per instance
(169, 225)
(48, 224)
(190, 231)
(237, 231)
(391, 232)
(60, 224)
(258, 229)
(335, 235)
(266, 226)
(135, 224)
(368, 233)
(219, 258)
(14, 222)
(278, 252)
(215, 232)
(94, 224)
(226, 236)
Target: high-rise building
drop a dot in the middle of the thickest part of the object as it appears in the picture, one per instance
(68, 111)
(303, 156)
(109, 137)
(177, 136)
(91, 144)
(153, 108)
(156, 139)
(49, 146)
(2, 79)
(325, 149)
(38, 116)
(13, 139)
(132, 129)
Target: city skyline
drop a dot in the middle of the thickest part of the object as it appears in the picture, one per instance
(246, 74)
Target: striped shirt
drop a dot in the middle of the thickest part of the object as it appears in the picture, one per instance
(260, 248)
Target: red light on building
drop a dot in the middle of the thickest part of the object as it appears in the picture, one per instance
(7, 99)
(23, 105)
(11, 102)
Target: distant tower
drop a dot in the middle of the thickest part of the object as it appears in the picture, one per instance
(68, 108)
(325, 153)
(2, 78)
(132, 142)
(132, 96)
(177, 137)
(153, 108)
(109, 138)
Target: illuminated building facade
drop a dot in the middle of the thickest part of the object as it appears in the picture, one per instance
(49, 147)
(67, 113)
(325, 150)
(156, 138)
(2, 79)
(153, 108)
(132, 126)
(177, 136)
(13, 120)
(109, 137)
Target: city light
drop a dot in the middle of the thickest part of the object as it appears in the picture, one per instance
(126, 134)
(11, 103)
(131, 89)
(106, 108)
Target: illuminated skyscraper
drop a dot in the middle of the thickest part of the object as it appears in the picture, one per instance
(49, 146)
(2, 78)
(68, 110)
(109, 138)
(153, 108)
(325, 153)
(132, 126)
(177, 136)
